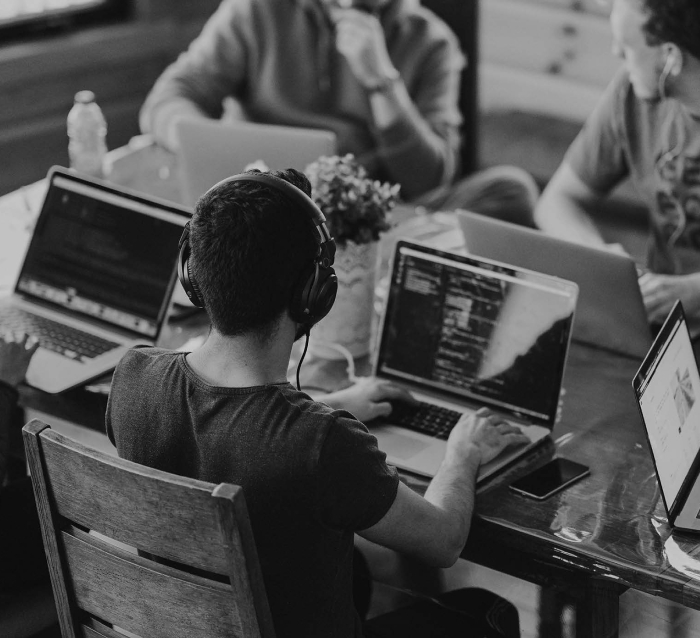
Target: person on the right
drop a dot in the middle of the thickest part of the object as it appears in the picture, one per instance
(646, 127)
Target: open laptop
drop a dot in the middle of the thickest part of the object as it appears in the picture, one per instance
(610, 311)
(462, 333)
(667, 388)
(96, 279)
(211, 150)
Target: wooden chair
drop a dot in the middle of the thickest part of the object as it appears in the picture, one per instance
(196, 572)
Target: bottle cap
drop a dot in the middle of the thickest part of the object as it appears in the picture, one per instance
(84, 97)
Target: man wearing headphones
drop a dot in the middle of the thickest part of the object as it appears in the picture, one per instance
(258, 257)
(646, 127)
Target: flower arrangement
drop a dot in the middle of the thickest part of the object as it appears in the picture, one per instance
(356, 208)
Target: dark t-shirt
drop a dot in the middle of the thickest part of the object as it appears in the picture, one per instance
(311, 475)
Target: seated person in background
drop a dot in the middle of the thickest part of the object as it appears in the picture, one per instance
(312, 474)
(24, 574)
(646, 127)
(383, 75)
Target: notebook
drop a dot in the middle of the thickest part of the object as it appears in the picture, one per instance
(666, 387)
(610, 312)
(462, 333)
(96, 279)
(211, 150)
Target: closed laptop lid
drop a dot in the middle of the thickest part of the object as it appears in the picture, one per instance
(476, 331)
(610, 312)
(103, 254)
(211, 150)
(666, 387)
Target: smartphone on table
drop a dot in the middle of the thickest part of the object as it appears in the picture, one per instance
(550, 478)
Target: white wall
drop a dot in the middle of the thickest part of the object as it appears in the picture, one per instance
(544, 56)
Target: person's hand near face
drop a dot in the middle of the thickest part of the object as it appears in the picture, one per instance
(359, 38)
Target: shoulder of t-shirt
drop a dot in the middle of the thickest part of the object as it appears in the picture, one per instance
(319, 415)
(314, 407)
(148, 352)
(141, 356)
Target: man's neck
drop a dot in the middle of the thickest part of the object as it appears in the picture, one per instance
(243, 361)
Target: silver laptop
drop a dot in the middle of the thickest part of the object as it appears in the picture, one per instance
(462, 333)
(211, 150)
(610, 312)
(96, 279)
(667, 388)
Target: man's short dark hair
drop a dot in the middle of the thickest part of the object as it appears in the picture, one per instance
(249, 244)
(675, 21)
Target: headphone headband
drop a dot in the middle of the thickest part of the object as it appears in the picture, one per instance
(314, 294)
(298, 196)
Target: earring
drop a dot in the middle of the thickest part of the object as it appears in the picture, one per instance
(674, 59)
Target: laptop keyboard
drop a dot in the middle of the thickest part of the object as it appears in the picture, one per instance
(430, 419)
(65, 340)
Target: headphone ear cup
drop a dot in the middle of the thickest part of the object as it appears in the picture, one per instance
(314, 294)
(184, 271)
(299, 308)
(196, 296)
(324, 293)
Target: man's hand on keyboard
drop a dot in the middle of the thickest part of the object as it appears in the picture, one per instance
(368, 399)
(487, 432)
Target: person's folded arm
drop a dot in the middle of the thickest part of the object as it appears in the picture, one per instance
(419, 155)
(416, 131)
(660, 293)
(563, 208)
(196, 84)
(418, 135)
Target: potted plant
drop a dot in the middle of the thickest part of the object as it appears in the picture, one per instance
(357, 211)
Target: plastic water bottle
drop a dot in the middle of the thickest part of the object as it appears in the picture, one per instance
(87, 130)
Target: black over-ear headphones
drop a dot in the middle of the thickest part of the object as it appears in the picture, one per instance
(314, 293)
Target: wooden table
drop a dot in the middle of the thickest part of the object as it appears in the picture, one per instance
(585, 545)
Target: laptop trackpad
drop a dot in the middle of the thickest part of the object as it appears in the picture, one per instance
(410, 450)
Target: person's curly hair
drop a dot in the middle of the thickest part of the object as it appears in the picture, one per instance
(675, 21)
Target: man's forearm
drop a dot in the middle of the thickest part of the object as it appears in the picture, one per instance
(416, 156)
(562, 216)
(160, 120)
(453, 491)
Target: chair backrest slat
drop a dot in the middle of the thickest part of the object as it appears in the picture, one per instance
(197, 572)
(92, 628)
(132, 508)
(40, 486)
(144, 597)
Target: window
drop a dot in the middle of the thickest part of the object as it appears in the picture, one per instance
(20, 18)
